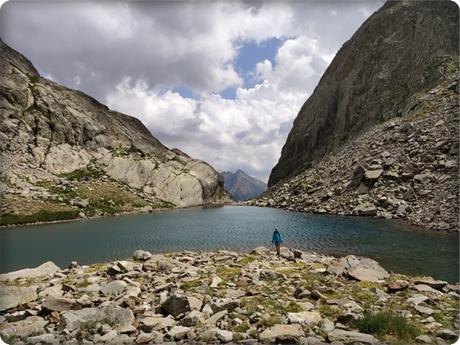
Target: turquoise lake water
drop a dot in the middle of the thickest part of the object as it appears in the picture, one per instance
(396, 246)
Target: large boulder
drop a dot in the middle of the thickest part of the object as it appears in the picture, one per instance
(23, 328)
(11, 296)
(309, 318)
(122, 318)
(175, 305)
(58, 303)
(281, 333)
(46, 269)
(358, 268)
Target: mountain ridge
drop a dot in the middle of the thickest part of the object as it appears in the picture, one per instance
(379, 136)
(354, 94)
(242, 186)
(83, 159)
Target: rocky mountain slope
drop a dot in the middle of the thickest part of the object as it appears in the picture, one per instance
(226, 297)
(242, 186)
(382, 139)
(64, 155)
(404, 48)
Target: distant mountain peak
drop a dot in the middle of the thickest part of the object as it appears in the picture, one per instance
(243, 186)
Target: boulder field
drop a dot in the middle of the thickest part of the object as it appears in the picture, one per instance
(226, 297)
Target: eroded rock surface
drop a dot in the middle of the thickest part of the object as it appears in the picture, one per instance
(70, 156)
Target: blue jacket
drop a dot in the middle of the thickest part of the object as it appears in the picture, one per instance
(277, 237)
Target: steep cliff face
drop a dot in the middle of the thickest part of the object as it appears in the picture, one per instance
(242, 186)
(380, 134)
(404, 48)
(62, 151)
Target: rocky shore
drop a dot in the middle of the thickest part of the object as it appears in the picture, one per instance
(226, 297)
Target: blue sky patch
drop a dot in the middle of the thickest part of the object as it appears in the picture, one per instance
(251, 53)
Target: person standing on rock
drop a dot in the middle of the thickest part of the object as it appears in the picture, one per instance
(277, 240)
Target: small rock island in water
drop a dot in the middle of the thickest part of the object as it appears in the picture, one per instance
(226, 297)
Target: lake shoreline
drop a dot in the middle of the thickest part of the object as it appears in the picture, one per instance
(224, 296)
(118, 214)
(405, 222)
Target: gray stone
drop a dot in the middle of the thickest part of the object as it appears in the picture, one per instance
(224, 336)
(11, 296)
(178, 332)
(157, 323)
(282, 333)
(309, 318)
(351, 336)
(46, 269)
(448, 334)
(121, 317)
(425, 339)
(176, 304)
(211, 321)
(57, 303)
(115, 287)
(215, 282)
(435, 284)
(23, 328)
(142, 255)
(365, 209)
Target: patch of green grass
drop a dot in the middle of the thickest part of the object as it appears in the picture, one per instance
(329, 311)
(292, 307)
(228, 273)
(18, 282)
(34, 79)
(98, 267)
(247, 259)
(387, 322)
(92, 325)
(40, 216)
(84, 174)
(188, 285)
(237, 336)
(82, 283)
(268, 322)
(250, 304)
(241, 328)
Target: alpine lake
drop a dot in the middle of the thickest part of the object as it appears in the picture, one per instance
(397, 246)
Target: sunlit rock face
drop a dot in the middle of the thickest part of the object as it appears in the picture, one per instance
(54, 136)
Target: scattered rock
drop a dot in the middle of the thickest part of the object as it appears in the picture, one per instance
(11, 296)
(281, 333)
(141, 255)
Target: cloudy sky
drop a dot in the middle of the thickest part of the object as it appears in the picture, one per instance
(222, 81)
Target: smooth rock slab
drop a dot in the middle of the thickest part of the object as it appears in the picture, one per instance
(157, 323)
(435, 284)
(178, 332)
(309, 318)
(351, 336)
(23, 328)
(281, 333)
(115, 287)
(46, 269)
(12, 296)
(57, 303)
(123, 318)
